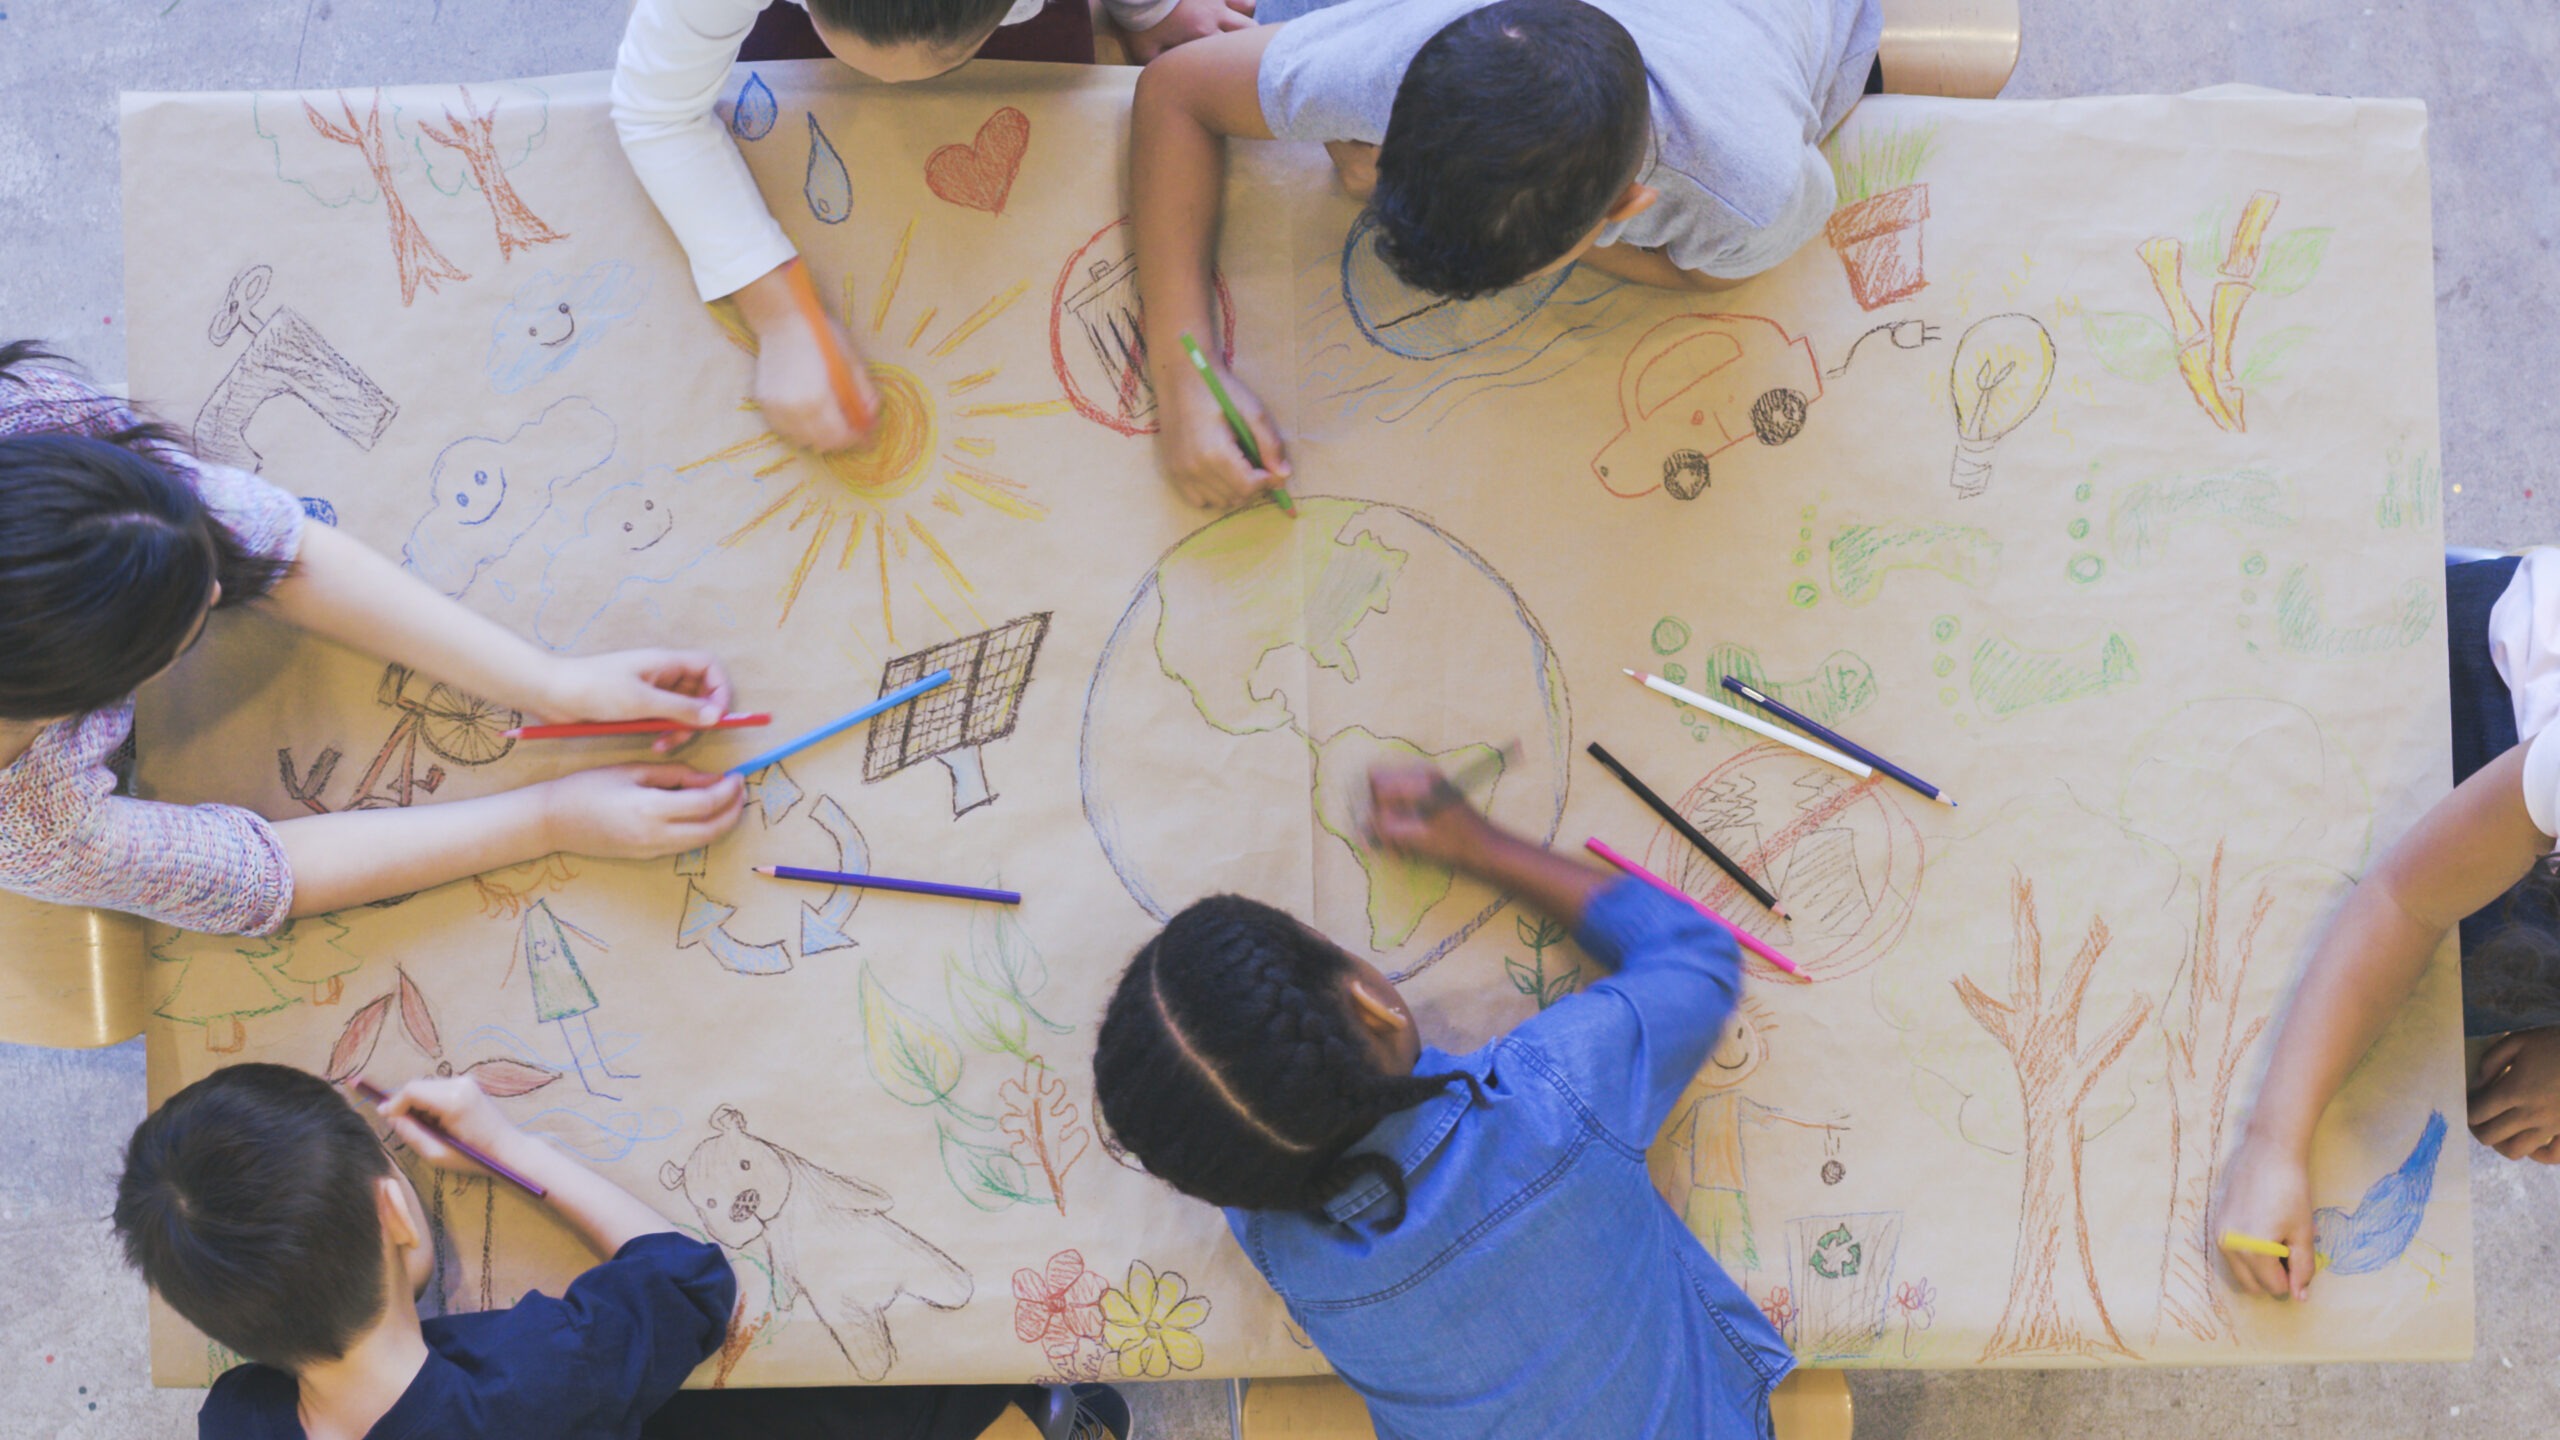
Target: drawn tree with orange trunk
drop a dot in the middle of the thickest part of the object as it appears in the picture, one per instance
(2206, 1045)
(473, 134)
(418, 259)
(2054, 1305)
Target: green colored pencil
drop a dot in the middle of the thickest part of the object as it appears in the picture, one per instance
(1235, 420)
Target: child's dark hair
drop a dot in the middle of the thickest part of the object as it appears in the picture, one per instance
(106, 558)
(1515, 129)
(248, 1203)
(940, 25)
(1230, 1065)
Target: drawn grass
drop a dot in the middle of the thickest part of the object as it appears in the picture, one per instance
(1879, 160)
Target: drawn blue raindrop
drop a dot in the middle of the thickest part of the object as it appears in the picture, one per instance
(753, 116)
(829, 189)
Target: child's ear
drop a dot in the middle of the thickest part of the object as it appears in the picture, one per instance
(1377, 1013)
(402, 1226)
(1632, 202)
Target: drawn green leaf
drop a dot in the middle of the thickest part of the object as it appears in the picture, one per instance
(1523, 979)
(1526, 928)
(985, 1176)
(2268, 354)
(915, 1060)
(1005, 960)
(992, 1019)
(2291, 259)
(2136, 347)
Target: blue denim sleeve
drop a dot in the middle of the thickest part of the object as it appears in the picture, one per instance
(1630, 1042)
(624, 1335)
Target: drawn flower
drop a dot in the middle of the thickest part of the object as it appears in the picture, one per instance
(1059, 1308)
(1917, 1299)
(1780, 1307)
(1148, 1324)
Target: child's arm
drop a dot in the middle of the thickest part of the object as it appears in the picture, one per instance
(1650, 267)
(617, 812)
(2461, 855)
(1182, 23)
(1415, 809)
(1188, 102)
(342, 590)
(676, 57)
(604, 1215)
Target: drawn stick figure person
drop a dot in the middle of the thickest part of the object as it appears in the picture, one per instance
(1698, 1162)
(561, 994)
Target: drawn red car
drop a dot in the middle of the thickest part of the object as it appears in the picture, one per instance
(1694, 387)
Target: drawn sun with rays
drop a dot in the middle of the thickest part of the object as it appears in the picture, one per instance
(870, 505)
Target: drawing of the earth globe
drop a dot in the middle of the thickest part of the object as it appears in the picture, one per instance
(1268, 661)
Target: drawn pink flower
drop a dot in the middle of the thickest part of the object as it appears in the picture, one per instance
(1058, 1309)
(1780, 1307)
(1917, 1298)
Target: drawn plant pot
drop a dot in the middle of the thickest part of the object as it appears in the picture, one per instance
(1878, 241)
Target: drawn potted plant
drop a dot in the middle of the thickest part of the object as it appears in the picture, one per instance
(1531, 978)
(1876, 229)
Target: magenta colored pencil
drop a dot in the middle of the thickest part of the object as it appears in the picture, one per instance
(473, 1153)
(1749, 941)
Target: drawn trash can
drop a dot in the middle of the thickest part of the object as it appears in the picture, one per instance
(1112, 364)
(1694, 387)
(952, 724)
(1841, 1270)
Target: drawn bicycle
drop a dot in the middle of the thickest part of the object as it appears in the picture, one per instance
(451, 725)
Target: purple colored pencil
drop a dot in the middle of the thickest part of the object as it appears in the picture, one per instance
(885, 882)
(375, 1094)
(1836, 740)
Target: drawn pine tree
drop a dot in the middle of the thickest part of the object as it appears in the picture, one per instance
(2054, 1306)
(2205, 1050)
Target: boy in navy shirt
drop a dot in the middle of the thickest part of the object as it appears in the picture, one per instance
(262, 1207)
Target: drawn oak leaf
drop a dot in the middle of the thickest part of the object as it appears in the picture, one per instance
(416, 1018)
(1041, 1124)
(354, 1049)
(505, 1078)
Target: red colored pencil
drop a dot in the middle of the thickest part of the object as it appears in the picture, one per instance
(576, 729)
(377, 1095)
(1748, 940)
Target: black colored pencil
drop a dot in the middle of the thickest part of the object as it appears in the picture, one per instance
(1689, 832)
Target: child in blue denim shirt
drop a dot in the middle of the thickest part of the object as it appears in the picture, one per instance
(1471, 1240)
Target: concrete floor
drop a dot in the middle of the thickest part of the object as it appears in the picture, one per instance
(70, 1318)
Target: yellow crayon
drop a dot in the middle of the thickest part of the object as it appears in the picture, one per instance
(2252, 1245)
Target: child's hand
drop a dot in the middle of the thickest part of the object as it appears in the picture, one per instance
(1199, 448)
(794, 388)
(454, 1103)
(686, 685)
(640, 812)
(2515, 1099)
(1190, 20)
(1414, 808)
(2266, 1193)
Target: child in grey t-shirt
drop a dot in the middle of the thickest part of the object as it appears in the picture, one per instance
(1671, 142)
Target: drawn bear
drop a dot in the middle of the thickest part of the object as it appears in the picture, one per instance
(824, 1236)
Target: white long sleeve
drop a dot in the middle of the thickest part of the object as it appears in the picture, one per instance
(675, 62)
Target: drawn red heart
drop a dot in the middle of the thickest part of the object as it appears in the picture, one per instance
(980, 175)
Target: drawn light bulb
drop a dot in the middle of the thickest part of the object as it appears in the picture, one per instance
(2002, 368)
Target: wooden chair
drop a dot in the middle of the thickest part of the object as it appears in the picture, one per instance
(1964, 48)
(68, 978)
(1809, 1405)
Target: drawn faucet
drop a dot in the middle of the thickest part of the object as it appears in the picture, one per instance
(285, 356)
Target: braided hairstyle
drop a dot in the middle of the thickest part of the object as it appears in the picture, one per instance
(1231, 1066)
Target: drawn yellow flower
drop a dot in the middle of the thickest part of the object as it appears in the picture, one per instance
(1148, 1324)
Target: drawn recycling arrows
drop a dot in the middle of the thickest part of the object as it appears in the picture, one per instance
(823, 922)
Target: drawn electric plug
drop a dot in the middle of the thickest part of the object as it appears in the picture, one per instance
(285, 356)
(1905, 335)
(2003, 366)
(1694, 387)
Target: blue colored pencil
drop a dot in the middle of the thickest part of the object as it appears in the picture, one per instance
(1836, 740)
(883, 882)
(890, 701)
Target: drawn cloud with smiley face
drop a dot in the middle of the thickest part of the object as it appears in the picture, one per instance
(552, 318)
(485, 493)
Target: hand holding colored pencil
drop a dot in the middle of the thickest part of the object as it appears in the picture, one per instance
(2252, 1245)
(377, 1096)
(580, 729)
(841, 378)
(1236, 422)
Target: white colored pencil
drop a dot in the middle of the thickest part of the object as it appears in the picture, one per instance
(1752, 723)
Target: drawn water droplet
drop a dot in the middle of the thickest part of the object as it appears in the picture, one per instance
(2081, 491)
(1945, 628)
(1804, 593)
(1670, 635)
(2078, 529)
(828, 189)
(2256, 564)
(752, 118)
(2085, 567)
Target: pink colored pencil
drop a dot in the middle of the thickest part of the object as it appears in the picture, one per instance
(576, 729)
(1749, 941)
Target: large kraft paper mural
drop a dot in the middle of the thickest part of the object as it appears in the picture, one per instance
(2086, 465)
